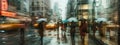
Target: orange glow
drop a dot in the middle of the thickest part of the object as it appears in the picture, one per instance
(4, 5)
(5, 26)
(9, 14)
(50, 26)
(11, 26)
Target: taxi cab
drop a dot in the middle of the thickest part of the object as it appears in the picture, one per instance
(7, 25)
(47, 26)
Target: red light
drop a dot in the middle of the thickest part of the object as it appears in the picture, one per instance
(4, 5)
(9, 14)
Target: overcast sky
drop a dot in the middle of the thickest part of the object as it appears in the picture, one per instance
(62, 5)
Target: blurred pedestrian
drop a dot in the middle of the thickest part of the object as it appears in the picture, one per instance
(83, 29)
(58, 24)
(41, 31)
(72, 32)
(63, 28)
(94, 27)
(100, 26)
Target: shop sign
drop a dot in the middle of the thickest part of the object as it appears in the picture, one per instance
(8, 14)
(4, 5)
(4, 8)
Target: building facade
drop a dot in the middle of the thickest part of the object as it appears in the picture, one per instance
(56, 12)
(40, 7)
(83, 9)
(72, 8)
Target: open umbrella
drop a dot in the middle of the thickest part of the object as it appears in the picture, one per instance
(73, 19)
(101, 19)
(42, 19)
(65, 21)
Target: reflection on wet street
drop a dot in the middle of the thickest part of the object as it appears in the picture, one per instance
(9, 38)
(50, 38)
(59, 22)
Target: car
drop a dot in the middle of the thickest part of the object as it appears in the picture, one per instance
(51, 26)
(47, 26)
(11, 26)
(35, 25)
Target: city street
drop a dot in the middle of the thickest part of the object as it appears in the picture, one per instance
(59, 22)
(50, 38)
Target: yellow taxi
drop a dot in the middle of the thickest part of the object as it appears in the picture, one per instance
(47, 26)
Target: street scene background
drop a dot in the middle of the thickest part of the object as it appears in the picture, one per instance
(59, 22)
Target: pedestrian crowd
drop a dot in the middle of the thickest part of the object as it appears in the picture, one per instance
(83, 29)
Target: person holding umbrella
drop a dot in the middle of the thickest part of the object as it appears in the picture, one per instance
(83, 29)
(72, 32)
(100, 26)
(63, 28)
(73, 25)
(41, 25)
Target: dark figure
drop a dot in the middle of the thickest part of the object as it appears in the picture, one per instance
(72, 32)
(41, 31)
(83, 30)
(100, 26)
(65, 38)
(94, 28)
(63, 28)
(58, 38)
(22, 36)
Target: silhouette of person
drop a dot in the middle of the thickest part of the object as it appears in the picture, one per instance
(100, 26)
(83, 30)
(41, 31)
(94, 28)
(63, 28)
(72, 32)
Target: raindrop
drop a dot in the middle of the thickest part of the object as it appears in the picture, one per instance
(2, 31)
(3, 42)
(3, 38)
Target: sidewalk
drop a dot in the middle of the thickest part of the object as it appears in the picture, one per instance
(50, 38)
(107, 39)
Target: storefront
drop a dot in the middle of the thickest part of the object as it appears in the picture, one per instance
(105, 11)
(4, 10)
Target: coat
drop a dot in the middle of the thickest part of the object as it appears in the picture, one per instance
(72, 26)
(41, 28)
(83, 29)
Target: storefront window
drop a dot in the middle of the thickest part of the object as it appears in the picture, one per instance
(102, 12)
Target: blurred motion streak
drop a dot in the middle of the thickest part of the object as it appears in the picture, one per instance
(8, 14)
(11, 26)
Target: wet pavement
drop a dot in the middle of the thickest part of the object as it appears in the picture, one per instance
(50, 38)
(9, 38)
(107, 39)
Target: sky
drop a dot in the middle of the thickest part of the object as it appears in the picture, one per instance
(62, 4)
